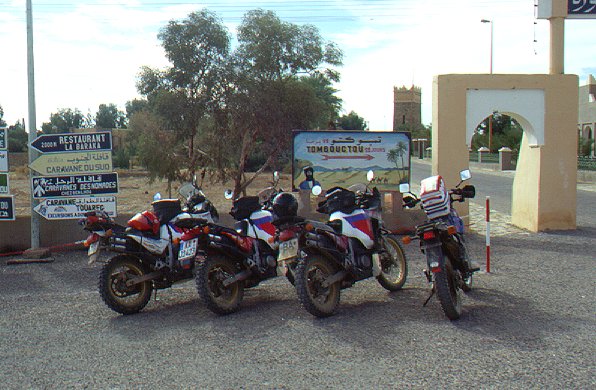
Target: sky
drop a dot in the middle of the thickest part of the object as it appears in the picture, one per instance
(89, 52)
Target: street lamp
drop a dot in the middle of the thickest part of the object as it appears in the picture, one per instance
(490, 118)
(491, 42)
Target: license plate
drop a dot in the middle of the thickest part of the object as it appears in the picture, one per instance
(188, 249)
(93, 248)
(288, 249)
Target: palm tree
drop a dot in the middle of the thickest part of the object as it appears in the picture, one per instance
(398, 152)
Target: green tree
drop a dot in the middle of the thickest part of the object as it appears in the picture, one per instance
(108, 116)
(269, 97)
(506, 131)
(64, 121)
(18, 138)
(352, 121)
(186, 94)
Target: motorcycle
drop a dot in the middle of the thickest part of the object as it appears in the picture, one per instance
(450, 270)
(230, 260)
(147, 249)
(353, 245)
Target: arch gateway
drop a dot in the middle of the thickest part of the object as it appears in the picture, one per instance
(546, 105)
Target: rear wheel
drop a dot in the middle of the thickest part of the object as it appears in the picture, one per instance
(114, 290)
(447, 288)
(209, 279)
(394, 269)
(317, 299)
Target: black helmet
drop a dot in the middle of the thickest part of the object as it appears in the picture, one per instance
(285, 205)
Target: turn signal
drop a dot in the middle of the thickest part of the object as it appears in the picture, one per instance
(309, 227)
(109, 233)
(451, 230)
(406, 240)
(176, 241)
(206, 229)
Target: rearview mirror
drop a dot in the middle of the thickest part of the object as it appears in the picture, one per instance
(228, 194)
(275, 177)
(370, 175)
(316, 190)
(157, 196)
(404, 188)
(465, 175)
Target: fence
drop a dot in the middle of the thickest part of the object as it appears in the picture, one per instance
(586, 163)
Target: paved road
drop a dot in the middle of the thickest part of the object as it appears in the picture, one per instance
(498, 185)
(528, 325)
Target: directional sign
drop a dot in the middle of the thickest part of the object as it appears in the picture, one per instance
(3, 161)
(71, 163)
(75, 208)
(7, 208)
(78, 185)
(4, 183)
(3, 138)
(73, 142)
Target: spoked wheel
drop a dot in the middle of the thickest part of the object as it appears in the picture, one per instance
(448, 290)
(394, 269)
(114, 290)
(209, 279)
(318, 299)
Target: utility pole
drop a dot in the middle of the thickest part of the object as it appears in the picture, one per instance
(35, 218)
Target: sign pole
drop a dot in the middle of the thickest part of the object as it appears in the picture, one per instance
(35, 218)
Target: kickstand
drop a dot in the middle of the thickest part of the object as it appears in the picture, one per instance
(432, 292)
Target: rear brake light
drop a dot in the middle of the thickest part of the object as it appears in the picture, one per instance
(286, 235)
(429, 235)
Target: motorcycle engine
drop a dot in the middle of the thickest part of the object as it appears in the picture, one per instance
(364, 261)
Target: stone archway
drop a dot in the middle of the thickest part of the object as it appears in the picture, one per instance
(546, 106)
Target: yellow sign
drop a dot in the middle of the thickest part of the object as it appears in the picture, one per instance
(70, 163)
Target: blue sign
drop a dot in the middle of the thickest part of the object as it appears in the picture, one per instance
(77, 185)
(7, 208)
(581, 8)
(3, 139)
(73, 142)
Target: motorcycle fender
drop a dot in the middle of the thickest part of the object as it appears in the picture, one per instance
(435, 258)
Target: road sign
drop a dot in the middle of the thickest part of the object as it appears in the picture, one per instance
(75, 208)
(4, 183)
(3, 138)
(3, 161)
(73, 142)
(71, 163)
(7, 208)
(78, 185)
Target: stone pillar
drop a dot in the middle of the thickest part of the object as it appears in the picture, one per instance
(505, 162)
(483, 151)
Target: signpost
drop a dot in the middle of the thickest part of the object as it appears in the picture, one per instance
(70, 163)
(73, 142)
(7, 208)
(75, 208)
(78, 185)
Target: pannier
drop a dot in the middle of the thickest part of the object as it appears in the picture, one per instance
(242, 208)
(338, 199)
(166, 209)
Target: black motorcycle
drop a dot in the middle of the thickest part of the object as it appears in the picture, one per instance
(449, 267)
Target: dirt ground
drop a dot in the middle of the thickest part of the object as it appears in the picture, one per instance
(136, 193)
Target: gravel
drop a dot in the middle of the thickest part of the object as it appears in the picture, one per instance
(528, 324)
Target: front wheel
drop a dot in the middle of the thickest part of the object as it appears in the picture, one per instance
(394, 269)
(209, 279)
(114, 290)
(317, 299)
(446, 285)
